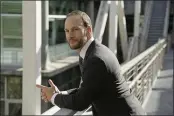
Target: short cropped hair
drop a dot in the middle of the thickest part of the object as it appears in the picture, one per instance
(85, 18)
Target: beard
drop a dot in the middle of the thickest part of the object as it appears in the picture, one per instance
(77, 44)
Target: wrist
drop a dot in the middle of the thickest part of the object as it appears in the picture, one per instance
(56, 90)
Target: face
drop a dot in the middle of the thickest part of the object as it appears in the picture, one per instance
(76, 33)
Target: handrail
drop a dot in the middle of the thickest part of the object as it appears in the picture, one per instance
(145, 79)
(145, 68)
(125, 67)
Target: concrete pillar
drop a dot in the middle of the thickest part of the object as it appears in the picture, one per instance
(31, 25)
(172, 36)
(137, 12)
(54, 24)
(1, 32)
(173, 20)
(54, 30)
(166, 21)
(90, 10)
(45, 37)
(113, 26)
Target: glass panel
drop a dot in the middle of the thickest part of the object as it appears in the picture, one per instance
(2, 108)
(12, 7)
(12, 26)
(15, 109)
(14, 87)
(60, 7)
(2, 83)
(60, 38)
(12, 43)
(60, 33)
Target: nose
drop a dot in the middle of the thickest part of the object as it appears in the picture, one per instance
(70, 36)
(71, 33)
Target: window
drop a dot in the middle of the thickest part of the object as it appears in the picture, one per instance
(12, 43)
(2, 83)
(60, 7)
(2, 108)
(12, 26)
(59, 32)
(14, 87)
(56, 27)
(15, 109)
(11, 7)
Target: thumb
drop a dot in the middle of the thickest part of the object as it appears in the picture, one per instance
(51, 83)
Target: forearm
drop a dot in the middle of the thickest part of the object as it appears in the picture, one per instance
(74, 101)
(70, 91)
(90, 89)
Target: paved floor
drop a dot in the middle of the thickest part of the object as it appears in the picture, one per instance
(160, 101)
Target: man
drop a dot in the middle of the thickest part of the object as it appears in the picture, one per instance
(102, 84)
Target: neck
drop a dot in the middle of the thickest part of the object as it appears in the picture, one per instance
(78, 50)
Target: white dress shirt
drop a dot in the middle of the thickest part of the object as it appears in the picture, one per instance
(82, 54)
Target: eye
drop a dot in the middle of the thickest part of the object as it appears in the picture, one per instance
(66, 31)
(76, 29)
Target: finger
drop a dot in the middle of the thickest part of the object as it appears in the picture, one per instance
(44, 97)
(43, 94)
(51, 83)
(46, 101)
(40, 86)
(43, 90)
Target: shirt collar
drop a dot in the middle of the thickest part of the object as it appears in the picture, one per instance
(85, 47)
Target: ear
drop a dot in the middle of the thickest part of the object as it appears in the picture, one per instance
(88, 32)
(89, 29)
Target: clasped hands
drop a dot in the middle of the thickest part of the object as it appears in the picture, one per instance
(48, 92)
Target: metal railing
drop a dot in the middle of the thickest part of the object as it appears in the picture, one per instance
(146, 70)
(140, 74)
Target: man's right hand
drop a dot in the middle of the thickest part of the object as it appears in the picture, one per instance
(47, 92)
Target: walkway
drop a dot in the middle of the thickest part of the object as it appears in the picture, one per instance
(160, 101)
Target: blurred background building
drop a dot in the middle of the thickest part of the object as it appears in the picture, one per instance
(65, 77)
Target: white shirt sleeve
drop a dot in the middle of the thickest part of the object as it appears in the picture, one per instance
(54, 95)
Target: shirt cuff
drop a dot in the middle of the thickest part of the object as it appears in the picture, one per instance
(64, 92)
(53, 97)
